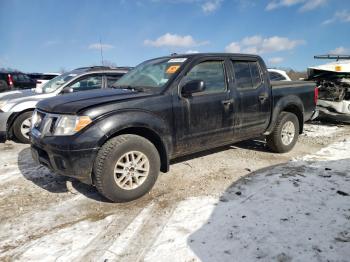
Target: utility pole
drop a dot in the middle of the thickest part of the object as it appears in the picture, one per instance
(101, 51)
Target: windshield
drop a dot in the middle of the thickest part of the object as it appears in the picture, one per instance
(57, 82)
(151, 74)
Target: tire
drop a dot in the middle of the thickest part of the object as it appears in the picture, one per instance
(113, 154)
(21, 127)
(285, 134)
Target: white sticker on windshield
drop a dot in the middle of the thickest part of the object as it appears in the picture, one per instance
(177, 60)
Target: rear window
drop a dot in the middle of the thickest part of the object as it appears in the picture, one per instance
(47, 77)
(35, 76)
(247, 74)
(256, 76)
(242, 75)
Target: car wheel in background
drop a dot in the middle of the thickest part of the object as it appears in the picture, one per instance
(21, 127)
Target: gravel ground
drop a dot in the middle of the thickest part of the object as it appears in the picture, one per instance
(234, 203)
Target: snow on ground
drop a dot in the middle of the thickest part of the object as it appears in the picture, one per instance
(316, 130)
(65, 244)
(299, 211)
(296, 211)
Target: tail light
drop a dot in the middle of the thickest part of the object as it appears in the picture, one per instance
(10, 80)
(316, 95)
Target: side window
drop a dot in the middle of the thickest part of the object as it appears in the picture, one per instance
(256, 76)
(111, 79)
(211, 73)
(247, 74)
(15, 77)
(87, 83)
(274, 76)
(242, 75)
(26, 78)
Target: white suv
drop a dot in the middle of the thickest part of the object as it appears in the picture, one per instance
(16, 107)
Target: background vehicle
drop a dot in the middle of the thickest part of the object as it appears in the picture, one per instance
(15, 80)
(333, 80)
(165, 108)
(278, 75)
(43, 78)
(16, 108)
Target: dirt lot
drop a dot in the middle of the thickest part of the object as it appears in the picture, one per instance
(235, 203)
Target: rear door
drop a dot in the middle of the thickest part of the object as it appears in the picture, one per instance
(254, 97)
(205, 118)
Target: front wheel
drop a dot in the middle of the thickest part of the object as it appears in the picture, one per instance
(126, 168)
(285, 134)
(21, 127)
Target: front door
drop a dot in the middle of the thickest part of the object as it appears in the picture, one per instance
(205, 118)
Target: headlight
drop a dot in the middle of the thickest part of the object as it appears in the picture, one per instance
(69, 125)
(36, 119)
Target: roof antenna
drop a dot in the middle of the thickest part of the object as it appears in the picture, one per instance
(101, 52)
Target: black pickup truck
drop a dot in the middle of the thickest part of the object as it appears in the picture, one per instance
(120, 138)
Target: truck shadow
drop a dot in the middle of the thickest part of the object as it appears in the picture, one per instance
(46, 179)
(297, 210)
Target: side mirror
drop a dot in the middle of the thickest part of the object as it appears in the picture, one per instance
(193, 86)
(67, 90)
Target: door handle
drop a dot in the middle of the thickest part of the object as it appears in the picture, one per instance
(263, 97)
(227, 102)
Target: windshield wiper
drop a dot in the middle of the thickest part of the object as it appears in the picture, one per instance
(133, 88)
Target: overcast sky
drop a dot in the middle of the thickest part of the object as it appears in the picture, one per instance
(47, 35)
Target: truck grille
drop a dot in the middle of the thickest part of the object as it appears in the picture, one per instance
(43, 123)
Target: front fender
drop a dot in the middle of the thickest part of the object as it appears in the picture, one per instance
(143, 123)
(23, 106)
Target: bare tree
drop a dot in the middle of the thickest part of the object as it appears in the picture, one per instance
(109, 63)
(62, 70)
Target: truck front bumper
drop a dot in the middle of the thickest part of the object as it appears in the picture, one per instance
(72, 163)
(4, 116)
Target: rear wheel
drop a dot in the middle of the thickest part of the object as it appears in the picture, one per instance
(21, 127)
(285, 134)
(126, 168)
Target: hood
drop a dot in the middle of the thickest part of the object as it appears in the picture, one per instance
(16, 94)
(23, 96)
(75, 102)
(342, 66)
(21, 99)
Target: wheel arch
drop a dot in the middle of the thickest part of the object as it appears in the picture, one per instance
(291, 104)
(148, 134)
(294, 109)
(11, 120)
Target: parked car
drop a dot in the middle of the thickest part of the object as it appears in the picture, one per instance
(333, 80)
(278, 75)
(15, 80)
(42, 78)
(119, 139)
(16, 108)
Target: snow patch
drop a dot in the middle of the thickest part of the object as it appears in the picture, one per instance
(66, 244)
(296, 211)
(312, 130)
